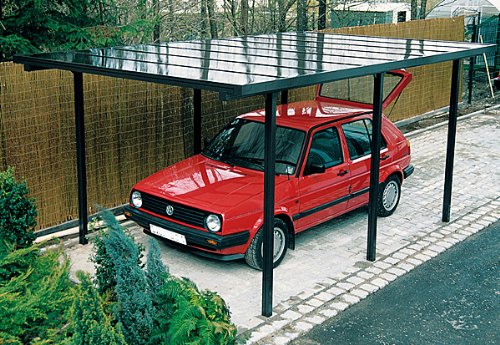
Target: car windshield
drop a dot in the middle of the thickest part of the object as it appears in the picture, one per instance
(241, 143)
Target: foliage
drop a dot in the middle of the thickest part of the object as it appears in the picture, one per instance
(119, 273)
(152, 306)
(156, 271)
(194, 317)
(91, 324)
(157, 275)
(104, 260)
(35, 295)
(17, 211)
(44, 25)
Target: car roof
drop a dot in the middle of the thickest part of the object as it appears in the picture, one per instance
(307, 114)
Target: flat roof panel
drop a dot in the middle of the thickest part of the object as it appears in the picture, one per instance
(244, 66)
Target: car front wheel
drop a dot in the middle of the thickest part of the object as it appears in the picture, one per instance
(254, 253)
(389, 194)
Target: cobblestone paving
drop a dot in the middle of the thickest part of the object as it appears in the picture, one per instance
(328, 271)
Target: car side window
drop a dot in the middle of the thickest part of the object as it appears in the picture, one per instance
(325, 148)
(358, 135)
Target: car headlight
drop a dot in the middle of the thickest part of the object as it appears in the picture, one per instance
(213, 223)
(136, 199)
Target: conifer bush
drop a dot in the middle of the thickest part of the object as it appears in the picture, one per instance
(125, 280)
(104, 261)
(35, 295)
(91, 324)
(150, 305)
(17, 211)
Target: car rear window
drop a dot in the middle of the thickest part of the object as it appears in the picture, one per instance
(358, 135)
(359, 89)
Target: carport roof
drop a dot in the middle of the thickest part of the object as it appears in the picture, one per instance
(244, 66)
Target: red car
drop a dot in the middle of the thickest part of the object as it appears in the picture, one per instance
(213, 202)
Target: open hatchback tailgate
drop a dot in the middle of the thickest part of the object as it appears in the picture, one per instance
(358, 92)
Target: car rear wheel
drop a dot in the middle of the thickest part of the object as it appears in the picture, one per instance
(254, 253)
(389, 194)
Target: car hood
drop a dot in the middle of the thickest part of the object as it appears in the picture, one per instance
(205, 184)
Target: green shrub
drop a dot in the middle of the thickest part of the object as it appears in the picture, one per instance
(133, 307)
(105, 277)
(157, 275)
(90, 323)
(198, 317)
(17, 211)
(152, 306)
(156, 271)
(36, 295)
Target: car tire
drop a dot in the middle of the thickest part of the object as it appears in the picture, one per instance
(388, 197)
(253, 255)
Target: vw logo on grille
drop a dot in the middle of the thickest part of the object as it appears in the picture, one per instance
(170, 210)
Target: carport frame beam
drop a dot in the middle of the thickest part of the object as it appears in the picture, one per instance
(450, 147)
(81, 168)
(378, 88)
(269, 184)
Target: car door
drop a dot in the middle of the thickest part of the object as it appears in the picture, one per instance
(358, 134)
(324, 182)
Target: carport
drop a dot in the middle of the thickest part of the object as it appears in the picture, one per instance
(266, 65)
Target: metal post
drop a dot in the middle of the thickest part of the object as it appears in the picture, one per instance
(80, 157)
(450, 148)
(269, 173)
(378, 85)
(197, 120)
(472, 62)
(497, 55)
(284, 97)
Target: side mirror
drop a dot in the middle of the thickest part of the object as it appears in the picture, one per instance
(315, 168)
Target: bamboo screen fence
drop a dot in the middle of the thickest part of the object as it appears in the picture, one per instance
(430, 86)
(135, 128)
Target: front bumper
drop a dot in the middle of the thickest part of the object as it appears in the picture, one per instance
(196, 239)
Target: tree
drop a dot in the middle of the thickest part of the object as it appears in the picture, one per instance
(423, 9)
(301, 15)
(29, 26)
(322, 15)
(414, 9)
(244, 17)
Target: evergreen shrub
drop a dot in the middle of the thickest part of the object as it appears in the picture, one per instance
(35, 295)
(152, 306)
(17, 211)
(91, 324)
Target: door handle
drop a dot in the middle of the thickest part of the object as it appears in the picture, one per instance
(342, 172)
(384, 157)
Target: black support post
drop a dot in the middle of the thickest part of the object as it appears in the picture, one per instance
(284, 97)
(197, 120)
(450, 148)
(269, 173)
(80, 157)
(378, 85)
(472, 62)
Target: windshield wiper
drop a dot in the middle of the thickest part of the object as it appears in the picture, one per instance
(216, 156)
(210, 153)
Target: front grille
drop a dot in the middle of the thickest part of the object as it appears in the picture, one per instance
(181, 213)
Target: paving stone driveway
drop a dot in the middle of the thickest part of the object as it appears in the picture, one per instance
(328, 271)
